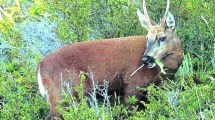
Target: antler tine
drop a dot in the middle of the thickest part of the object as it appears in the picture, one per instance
(163, 20)
(146, 14)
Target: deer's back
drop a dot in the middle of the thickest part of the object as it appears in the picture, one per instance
(106, 59)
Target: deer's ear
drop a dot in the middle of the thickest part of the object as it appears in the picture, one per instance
(142, 19)
(170, 21)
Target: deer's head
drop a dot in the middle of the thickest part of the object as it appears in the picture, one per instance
(160, 37)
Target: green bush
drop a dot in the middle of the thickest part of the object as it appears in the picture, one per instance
(84, 20)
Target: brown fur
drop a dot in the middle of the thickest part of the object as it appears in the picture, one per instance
(112, 59)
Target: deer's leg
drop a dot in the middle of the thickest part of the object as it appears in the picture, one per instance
(129, 91)
(54, 98)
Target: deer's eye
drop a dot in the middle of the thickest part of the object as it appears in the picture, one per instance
(162, 39)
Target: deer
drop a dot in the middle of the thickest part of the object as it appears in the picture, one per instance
(114, 60)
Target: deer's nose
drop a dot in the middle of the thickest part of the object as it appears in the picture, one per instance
(146, 59)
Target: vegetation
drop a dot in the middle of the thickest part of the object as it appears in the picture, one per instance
(29, 30)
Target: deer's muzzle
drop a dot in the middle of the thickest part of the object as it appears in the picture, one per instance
(150, 61)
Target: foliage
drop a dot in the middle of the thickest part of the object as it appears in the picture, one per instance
(19, 96)
(32, 29)
(83, 20)
(91, 106)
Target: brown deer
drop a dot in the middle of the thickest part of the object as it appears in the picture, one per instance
(113, 60)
